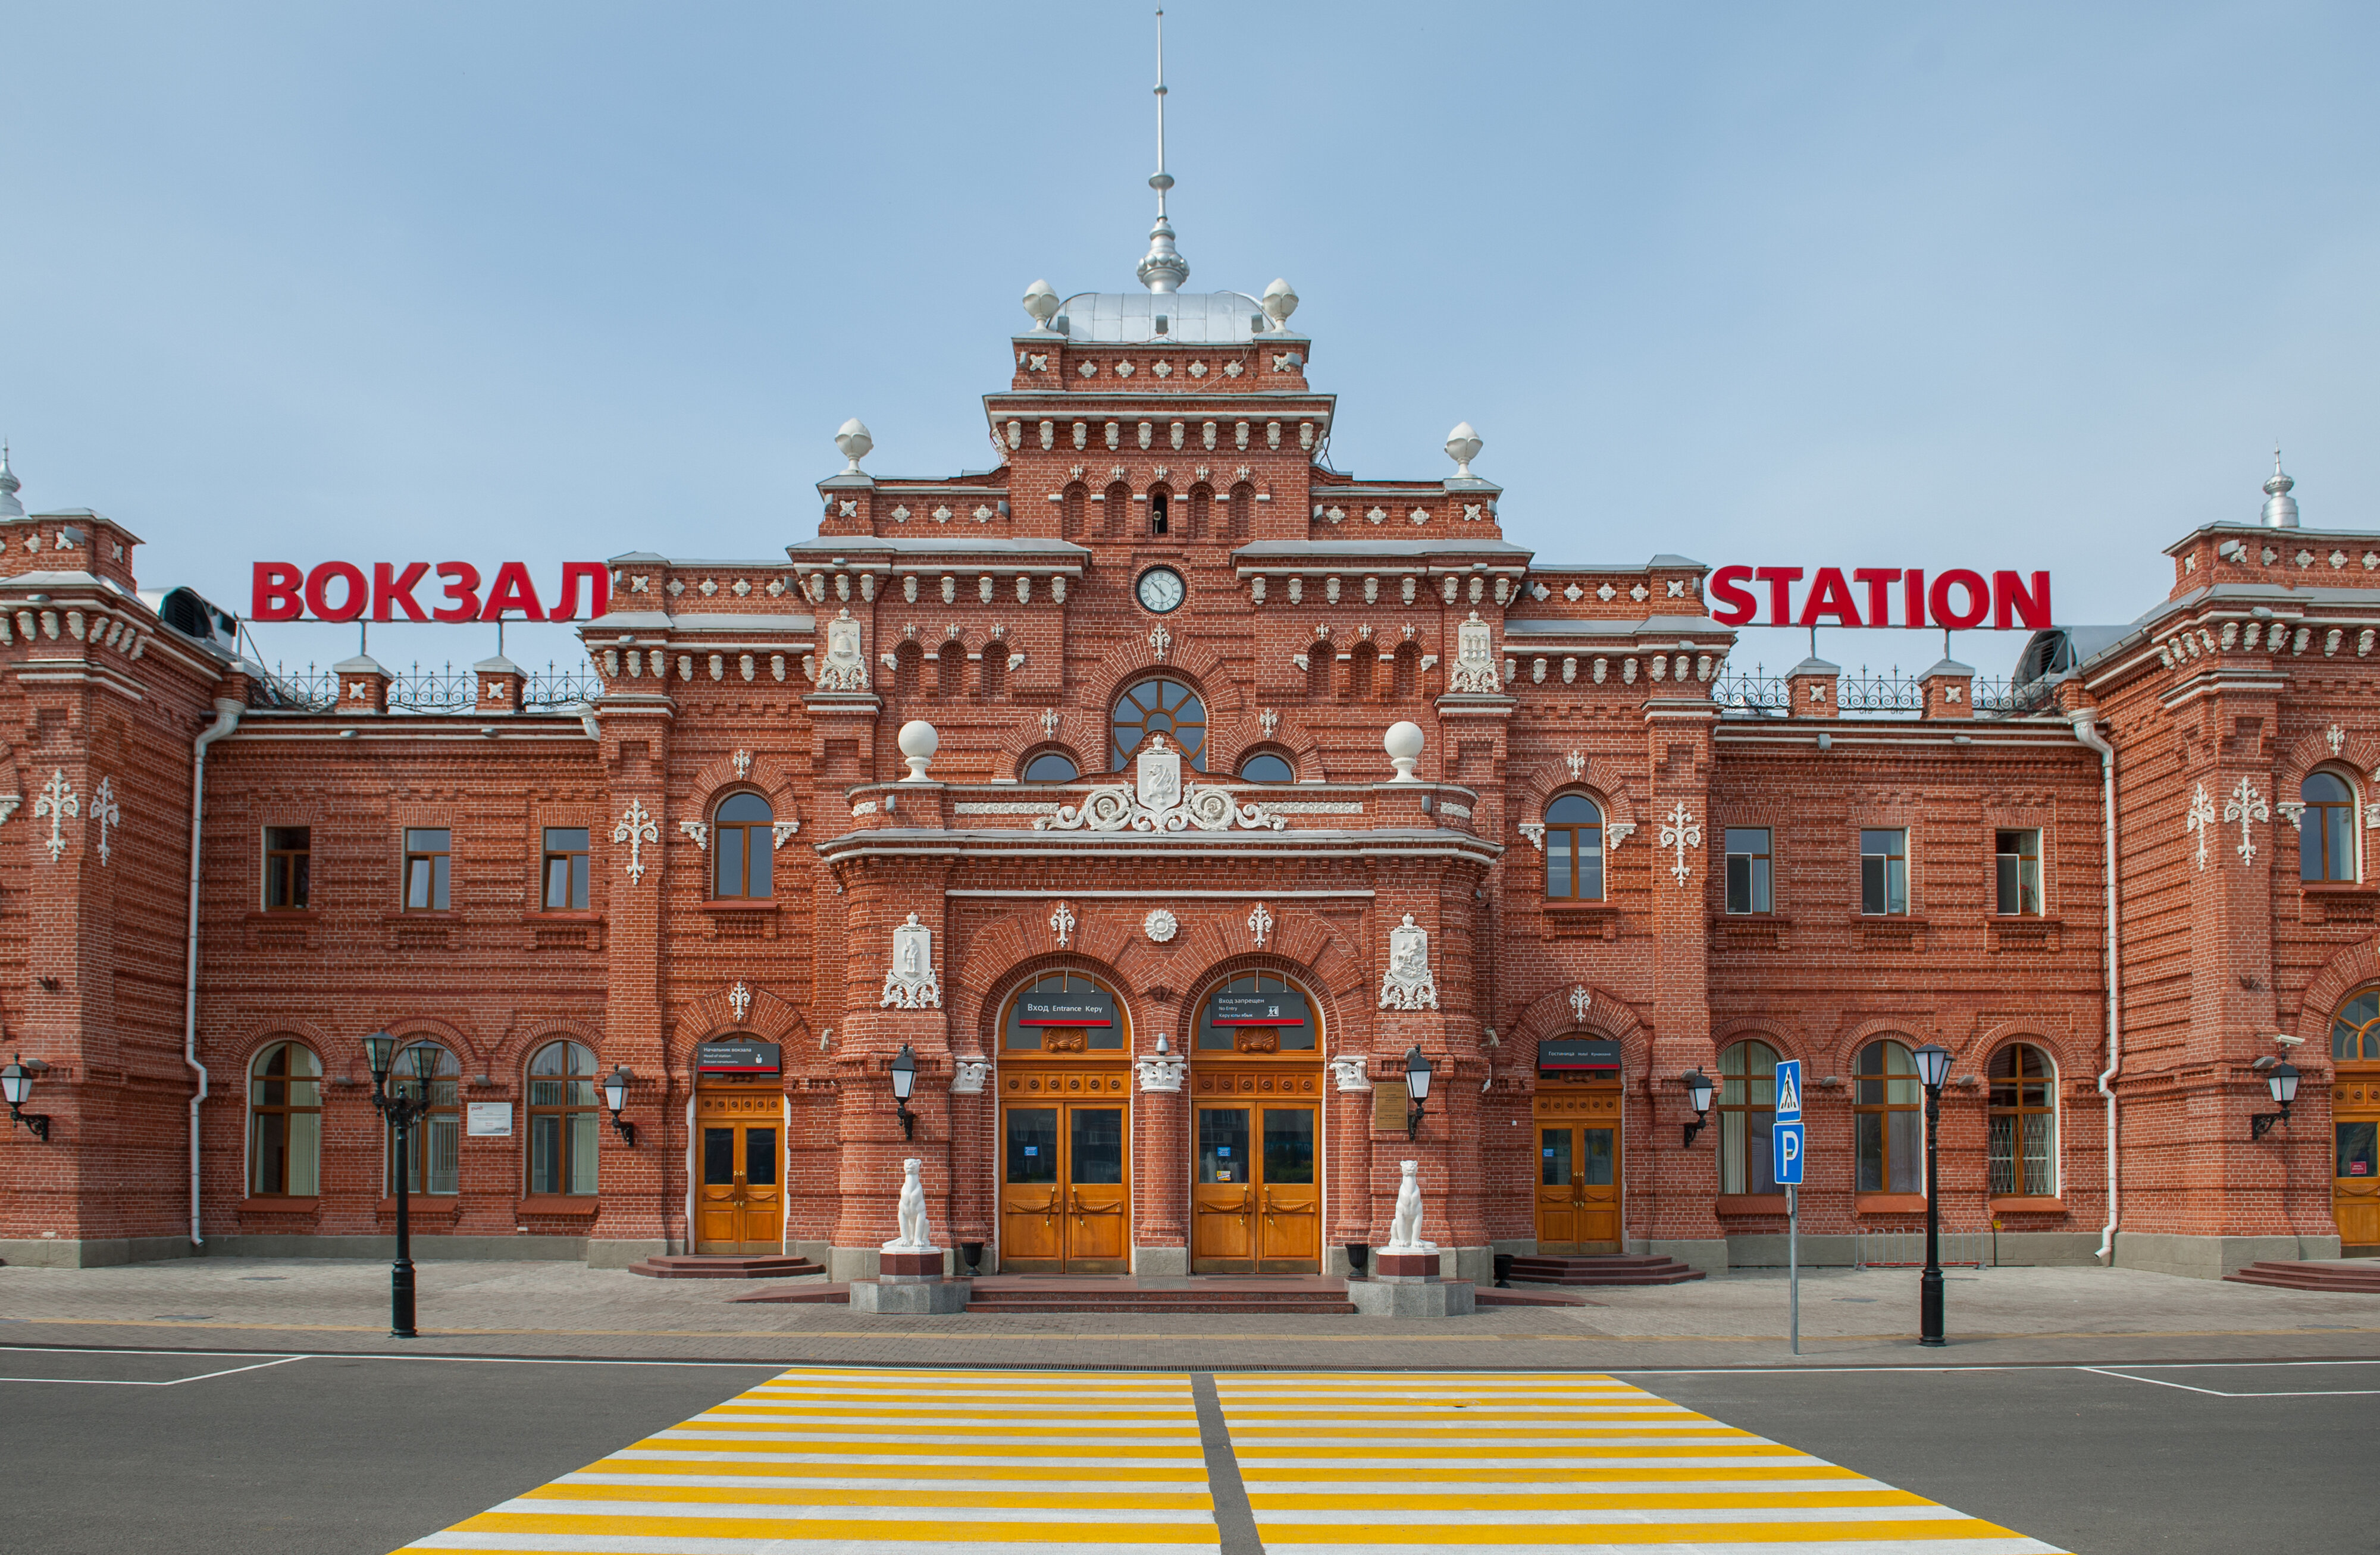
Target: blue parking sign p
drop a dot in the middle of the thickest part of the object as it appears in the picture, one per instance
(1786, 1143)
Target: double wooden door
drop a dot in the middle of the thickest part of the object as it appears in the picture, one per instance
(2355, 1160)
(1578, 1172)
(1255, 1202)
(739, 1196)
(1065, 1194)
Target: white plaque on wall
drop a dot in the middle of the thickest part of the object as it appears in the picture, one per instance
(487, 1120)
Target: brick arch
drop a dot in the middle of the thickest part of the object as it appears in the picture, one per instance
(1549, 1014)
(2359, 753)
(467, 1052)
(326, 1048)
(770, 778)
(2064, 1048)
(1185, 659)
(979, 1015)
(710, 1017)
(1345, 1030)
(1844, 1054)
(2349, 969)
(1789, 1043)
(1244, 733)
(1078, 730)
(1535, 787)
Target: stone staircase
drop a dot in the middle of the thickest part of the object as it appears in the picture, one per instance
(1619, 1268)
(2356, 1276)
(707, 1266)
(1015, 1294)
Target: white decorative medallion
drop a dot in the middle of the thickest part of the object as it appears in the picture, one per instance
(1158, 801)
(2201, 821)
(58, 800)
(637, 828)
(909, 984)
(844, 667)
(1062, 924)
(2336, 737)
(1159, 925)
(1580, 1001)
(1407, 984)
(1474, 657)
(2243, 805)
(1681, 830)
(1259, 924)
(105, 811)
(739, 1000)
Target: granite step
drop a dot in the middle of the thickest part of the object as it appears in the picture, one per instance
(2359, 1276)
(707, 1266)
(1617, 1268)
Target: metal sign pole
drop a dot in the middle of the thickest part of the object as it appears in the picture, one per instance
(1793, 1266)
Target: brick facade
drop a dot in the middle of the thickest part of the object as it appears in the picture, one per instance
(1001, 608)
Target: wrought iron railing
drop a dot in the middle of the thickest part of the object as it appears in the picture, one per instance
(2015, 698)
(552, 687)
(307, 690)
(1872, 692)
(415, 690)
(1755, 692)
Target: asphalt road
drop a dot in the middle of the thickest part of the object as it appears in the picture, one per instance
(110, 1451)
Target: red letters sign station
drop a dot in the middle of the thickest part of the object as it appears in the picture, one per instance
(338, 591)
(1959, 598)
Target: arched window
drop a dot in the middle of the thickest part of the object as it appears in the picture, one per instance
(2326, 841)
(1266, 767)
(284, 1123)
(1885, 1116)
(2024, 1123)
(1052, 765)
(1064, 1012)
(1573, 849)
(1747, 1116)
(1261, 1013)
(1159, 707)
(562, 1119)
(434, 1155)
(2355, 1034)
(742, 842)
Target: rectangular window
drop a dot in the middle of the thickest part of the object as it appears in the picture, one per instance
(1747, 869)
(565, 868)
(1884, 872)
(2020, 873)
(426, 851)
(288, 852)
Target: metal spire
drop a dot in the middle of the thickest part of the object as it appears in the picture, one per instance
(9, 486)
(1162, 270)
(2280, 508)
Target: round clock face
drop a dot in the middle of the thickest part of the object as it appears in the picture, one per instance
(1160, 590)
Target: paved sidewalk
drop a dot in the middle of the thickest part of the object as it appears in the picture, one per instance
(1860, 1318)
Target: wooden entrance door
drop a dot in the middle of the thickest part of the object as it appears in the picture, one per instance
(1255, 1201)
(739, 1202)
(1578, 1171)
(2355, 1162)
(1064, 1194)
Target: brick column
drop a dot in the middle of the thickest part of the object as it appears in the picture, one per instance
(1679, 1218)
(1160, 1167)
(643, 1189)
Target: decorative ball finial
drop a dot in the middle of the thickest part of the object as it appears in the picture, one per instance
(1279, 303)
(854, 443)
(1041, 302)
(918, 742)
(1462, 445)
(2280, 508)
(1404, 743)
(9, 486)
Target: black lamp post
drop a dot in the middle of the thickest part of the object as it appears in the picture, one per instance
(904, 1080)
(1698, 1091)
(2282, 1080)
(17, 1085)
(403, 1112)
(615, 1096)
(1416, 1087)
(1933, 1068)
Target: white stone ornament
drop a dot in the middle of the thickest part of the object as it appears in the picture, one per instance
(967, 1075)
(780, 831)
(1407, 984)
(1462, 445)
(637, 828)
(104, 812)
(1474, 670)
(1681, 830)
(1404, 1226)
(1062, 924)
(2201, 821)
(844, 668)
(58, 800)
(699, 831)
(918, 742)
(1158, 800)
(2243, 803)
(1534, 830)
(1404, 743)
(743, 758)
(915, 1237)
(1580, 1000)
(739, 1001)
(853, 442)
(910, 983)
(1259, 924)
(1159, 925)
(1347, 1072)
(2336, 737)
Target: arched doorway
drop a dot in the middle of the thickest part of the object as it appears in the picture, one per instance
(2355, 1125)
(1255, 1134)
(1577, 1119)
(739, 1146)
(1065, 1125)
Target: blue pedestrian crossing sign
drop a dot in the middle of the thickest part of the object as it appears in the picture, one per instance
(1786, 1139)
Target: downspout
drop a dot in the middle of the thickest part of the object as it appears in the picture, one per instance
(2086, 731)
(227, 713)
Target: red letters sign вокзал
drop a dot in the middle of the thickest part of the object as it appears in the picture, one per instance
(284, 593)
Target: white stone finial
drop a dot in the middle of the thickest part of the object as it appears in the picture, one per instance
(9, 486)
(854, 443)
(915, 1237)
(1462, 445)
(1279, 303)
(918, 743)
(1403, 742)
(1042, 301)
(2280, 508)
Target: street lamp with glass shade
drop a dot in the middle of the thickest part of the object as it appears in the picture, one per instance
(404, 1107)
(1933, 1063)
(2281, 1079)
(1698, 1091)
(16, 1088)
(904, 1080)
(615, 1096)
(1417, 1072)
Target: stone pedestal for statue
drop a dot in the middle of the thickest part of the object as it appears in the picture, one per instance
(1407, 1284)
(911, 1282)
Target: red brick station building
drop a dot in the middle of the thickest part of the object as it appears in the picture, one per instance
(1158, 790)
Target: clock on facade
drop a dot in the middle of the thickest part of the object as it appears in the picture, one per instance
(1160, 590)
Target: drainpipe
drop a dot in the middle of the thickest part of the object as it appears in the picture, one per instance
(227, 713)
(2086, 730)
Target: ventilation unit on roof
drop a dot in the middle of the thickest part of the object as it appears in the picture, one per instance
(192, 614)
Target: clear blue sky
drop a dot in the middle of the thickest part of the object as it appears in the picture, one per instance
(2016, 286)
